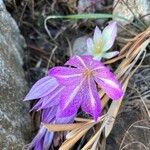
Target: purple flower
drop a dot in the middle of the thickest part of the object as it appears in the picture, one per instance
(80, 82)
(102, 42)
(44, 138)
(48, 90)
(66, 89)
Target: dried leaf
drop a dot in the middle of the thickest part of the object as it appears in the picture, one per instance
(63, 127)
(69, 143)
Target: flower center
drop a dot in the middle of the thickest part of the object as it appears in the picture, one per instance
(99, 46)
(87, 73)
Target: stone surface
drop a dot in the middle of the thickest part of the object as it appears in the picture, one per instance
(138, 7)
(15, 122)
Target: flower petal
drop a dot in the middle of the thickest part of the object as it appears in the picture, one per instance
(64, 120)
(98, 57)
(108, 82)
(109, 35)
(89, 62)
(48, 114)
(51, 99)
(48, 140)
(71, 99)
(42, 88)
(37, 141)
(110, 54)
(66, 75)
(77, 61)
(39, 145)
(91, 100)
(90, 46)
(97, 35)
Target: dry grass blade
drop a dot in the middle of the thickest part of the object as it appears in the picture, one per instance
(112, 112)
(132, 125)
(95, 137)
(136, 49)
(76, 134)
(114, 108)
(69, 143)
(63, 127)
(82, 119)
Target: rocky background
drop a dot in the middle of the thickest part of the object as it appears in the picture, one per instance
(15, 122)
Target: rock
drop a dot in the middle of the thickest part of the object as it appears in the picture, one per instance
(139, 8)
(14, 117)
(10, 32)
(79, 46)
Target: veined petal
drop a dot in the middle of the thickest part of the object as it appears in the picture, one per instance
(49, 114)
(66, 75)
(70, 100)
(109, 35)
(47, 140)
(39, 145)
(51, 99)
(78, 61)
(90, 46)
(91, 100)
(98, 57)
(64, 120)
(108, 82)
(87, 60)
(42, 88)
(110, 54)
(97, 35)
(37, 141)
(91, 63)
(48, 101)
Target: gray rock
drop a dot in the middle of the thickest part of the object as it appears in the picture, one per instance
(9, 32)
(138, 7)
(14, 119)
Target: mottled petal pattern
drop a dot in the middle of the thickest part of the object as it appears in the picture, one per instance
(91, 101)
(108, 82)
(37, 141)
(47, 140)
(70, 100)
(78, 62)
(66, 76)
(49, 114)
(51, 99)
